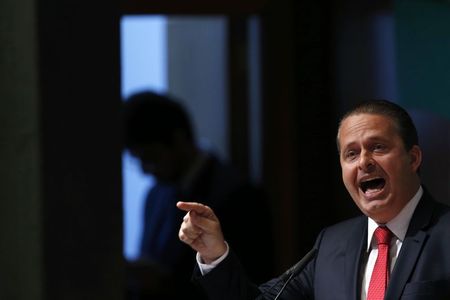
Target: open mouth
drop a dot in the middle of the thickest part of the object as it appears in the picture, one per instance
(372, 185)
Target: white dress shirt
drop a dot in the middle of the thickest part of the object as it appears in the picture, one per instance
(398, 226)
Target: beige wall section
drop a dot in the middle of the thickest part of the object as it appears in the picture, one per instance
(20, 220)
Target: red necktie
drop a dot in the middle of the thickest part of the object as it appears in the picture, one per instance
(380, 275)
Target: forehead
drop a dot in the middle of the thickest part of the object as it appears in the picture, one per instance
(365, 125)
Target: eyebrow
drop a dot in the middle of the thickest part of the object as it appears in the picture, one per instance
(371, 139)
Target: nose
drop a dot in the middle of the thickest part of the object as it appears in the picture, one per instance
(366, 162)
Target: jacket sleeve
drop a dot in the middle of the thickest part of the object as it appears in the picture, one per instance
(228, 281)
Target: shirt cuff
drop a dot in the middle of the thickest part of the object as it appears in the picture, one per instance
(206, 268)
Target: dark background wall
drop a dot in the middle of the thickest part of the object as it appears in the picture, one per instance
(21, 202)
(78, 67)
(60, 145)
(61, 229)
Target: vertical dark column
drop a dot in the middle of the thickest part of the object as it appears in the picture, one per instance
(239, 92)
(301, 170)
(318, 162)
(280, 170)
(21, 243)
(81, 177)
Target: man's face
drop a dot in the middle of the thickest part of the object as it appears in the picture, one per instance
(377, 170)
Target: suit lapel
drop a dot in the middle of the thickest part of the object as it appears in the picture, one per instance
(353, 254)
(412, 246)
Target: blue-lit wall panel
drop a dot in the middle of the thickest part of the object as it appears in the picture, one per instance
(144, 66)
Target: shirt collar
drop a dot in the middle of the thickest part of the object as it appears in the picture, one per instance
(399, 224)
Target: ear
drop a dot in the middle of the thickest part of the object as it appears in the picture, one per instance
(416, 157)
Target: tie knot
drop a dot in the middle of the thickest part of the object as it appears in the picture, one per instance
(383, 235)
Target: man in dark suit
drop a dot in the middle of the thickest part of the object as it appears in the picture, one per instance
(399, 248)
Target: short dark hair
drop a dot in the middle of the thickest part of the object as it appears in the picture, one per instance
(150, 117)
(402, 120)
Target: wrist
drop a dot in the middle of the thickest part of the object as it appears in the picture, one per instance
(208, 259)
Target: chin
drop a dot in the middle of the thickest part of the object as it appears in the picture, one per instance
(377, 213)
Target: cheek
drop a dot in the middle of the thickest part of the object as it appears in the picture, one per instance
(394, 171)
(348, 177)
(347, 170)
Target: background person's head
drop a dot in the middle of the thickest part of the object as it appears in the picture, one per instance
(158, 131)
(380, 158)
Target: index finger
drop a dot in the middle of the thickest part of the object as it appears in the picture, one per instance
(197, 207)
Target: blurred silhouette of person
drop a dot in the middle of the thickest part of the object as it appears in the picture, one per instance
(158, 131)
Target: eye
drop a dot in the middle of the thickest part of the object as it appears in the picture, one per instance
(350, 155)
(379, 147)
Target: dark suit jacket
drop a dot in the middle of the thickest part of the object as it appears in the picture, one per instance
(422, 270)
